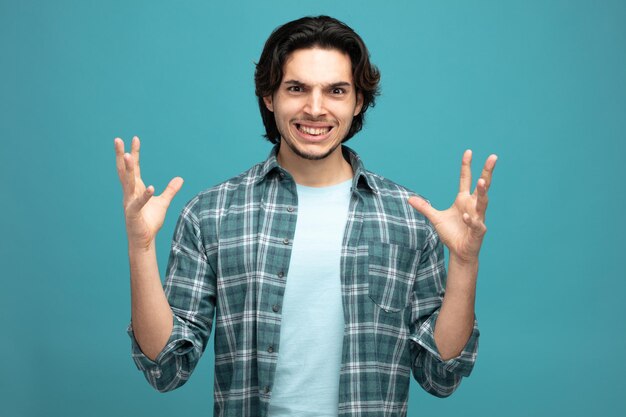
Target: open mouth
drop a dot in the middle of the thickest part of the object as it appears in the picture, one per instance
(313, 131)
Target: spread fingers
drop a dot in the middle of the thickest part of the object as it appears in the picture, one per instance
(135, 144)
(487, 173)
(482, 200)
(465, 181)
(129, 173)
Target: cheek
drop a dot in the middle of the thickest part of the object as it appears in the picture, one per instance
(284, 110)
(344, 110)
(288, 105)
(347, 115)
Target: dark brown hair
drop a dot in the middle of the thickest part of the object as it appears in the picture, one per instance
(307, 32)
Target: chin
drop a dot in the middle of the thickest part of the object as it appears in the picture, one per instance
(311, 155)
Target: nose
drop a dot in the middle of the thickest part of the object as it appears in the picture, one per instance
(315, 103)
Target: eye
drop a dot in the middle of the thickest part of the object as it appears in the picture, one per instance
(338, 91)
(294, 89)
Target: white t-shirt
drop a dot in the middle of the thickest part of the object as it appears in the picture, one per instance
(311, 334)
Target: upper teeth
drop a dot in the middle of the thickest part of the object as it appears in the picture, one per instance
(314, 130)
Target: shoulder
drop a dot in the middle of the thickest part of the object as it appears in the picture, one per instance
(386, 187)
(392, 199)
(212, 201)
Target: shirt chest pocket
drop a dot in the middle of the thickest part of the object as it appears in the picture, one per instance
(391, 273)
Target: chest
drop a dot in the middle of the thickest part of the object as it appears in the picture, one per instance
(379, 250)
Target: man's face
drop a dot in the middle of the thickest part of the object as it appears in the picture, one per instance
(315, 102)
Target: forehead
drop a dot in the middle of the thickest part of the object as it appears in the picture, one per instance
(318, 66)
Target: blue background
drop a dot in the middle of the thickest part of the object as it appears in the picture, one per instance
(540, 83)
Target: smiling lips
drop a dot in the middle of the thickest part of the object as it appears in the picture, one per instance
(314, 131)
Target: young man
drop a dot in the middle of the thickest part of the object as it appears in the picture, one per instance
(326, 281)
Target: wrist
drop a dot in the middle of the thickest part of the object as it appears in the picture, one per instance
(463, 261)
(139, 248)
(462, 275)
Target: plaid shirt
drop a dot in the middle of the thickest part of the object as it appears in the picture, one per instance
(230, 259)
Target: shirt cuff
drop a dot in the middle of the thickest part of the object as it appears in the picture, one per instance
(179, 343)
(462, 364)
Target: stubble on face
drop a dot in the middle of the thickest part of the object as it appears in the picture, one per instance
(316, 93)
(299, 152)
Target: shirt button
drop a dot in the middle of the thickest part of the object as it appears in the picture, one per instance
(289, 209)
(275, 308)
(285, 241)
(281, 274)
(270, 349)
(267, 389)
(282, 174)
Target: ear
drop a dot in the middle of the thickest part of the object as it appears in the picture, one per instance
(268, 103)
(359, 103)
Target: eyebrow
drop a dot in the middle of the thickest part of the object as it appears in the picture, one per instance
(331, 85)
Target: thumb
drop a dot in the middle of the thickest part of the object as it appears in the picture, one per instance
(172, 188)
(424, 207)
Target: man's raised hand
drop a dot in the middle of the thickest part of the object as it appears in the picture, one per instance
(144, 212)
(462, 227)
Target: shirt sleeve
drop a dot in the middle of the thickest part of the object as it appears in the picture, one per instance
(438, 377)
(190, 288)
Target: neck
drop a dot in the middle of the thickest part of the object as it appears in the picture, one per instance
(331, 170)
